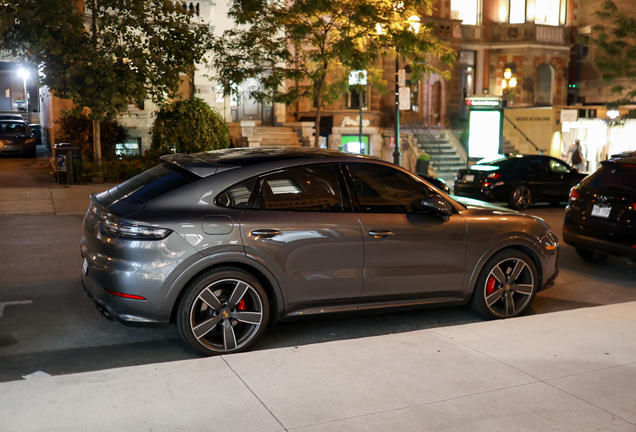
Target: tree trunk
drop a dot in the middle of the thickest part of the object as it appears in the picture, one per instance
(97, 146)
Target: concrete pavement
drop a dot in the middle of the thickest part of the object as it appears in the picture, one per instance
(53, 200)
(567, 371)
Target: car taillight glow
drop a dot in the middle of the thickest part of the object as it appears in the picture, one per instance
(123, 229)
(123, 295)
(574, 194)
(494, 176)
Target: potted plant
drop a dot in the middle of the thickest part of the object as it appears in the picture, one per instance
(423, 160)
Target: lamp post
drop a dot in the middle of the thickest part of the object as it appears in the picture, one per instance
(25, 75)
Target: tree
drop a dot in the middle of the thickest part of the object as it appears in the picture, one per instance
(315, 44)
(106, 55)
(77, 129)
(615, 40)
(189, 126)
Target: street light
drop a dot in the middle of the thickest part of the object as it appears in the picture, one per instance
(25, 75)
(414, 27)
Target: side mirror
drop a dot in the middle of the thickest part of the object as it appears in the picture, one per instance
(438, 205)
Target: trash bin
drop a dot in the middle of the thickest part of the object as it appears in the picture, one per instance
(64, 155)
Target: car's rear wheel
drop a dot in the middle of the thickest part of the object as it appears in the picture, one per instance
(520, 198)
(591, 256)
(506, 286)
(224, 311)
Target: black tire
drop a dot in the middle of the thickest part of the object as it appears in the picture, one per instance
(520, 198)
(501, 298)
(591, 256)
(209, 312)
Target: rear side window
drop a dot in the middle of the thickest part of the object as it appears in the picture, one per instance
(238, 196)
(309, 188)
(531, 165)
(157, 181)
(614, 177)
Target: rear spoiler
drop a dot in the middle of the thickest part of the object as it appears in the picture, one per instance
(201, 164)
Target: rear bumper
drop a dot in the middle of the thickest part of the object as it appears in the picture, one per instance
(579, 236)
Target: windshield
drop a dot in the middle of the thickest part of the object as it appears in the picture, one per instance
(7, 128)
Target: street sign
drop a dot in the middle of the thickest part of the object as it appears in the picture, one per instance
(358, 77)
(569, 115)
(404, 98)
(401, 78)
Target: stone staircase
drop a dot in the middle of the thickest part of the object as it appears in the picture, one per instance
(446, 157)
(273, 136)
(508, 148)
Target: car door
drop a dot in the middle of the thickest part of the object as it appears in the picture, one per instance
(408, 254)
(534, 172)
(299, 227)
(562, 178)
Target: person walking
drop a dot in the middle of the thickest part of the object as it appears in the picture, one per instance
(577, 159)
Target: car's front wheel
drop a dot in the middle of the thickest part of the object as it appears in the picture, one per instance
(225, 310)
(506, 286)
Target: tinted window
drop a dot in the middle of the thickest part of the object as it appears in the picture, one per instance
(309, 188)
(13, 128)
(613, 176)
(157, 181)
(238, 196)
(558, 166)
(532, 165)
(382, 189)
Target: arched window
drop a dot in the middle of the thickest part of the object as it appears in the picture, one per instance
(544, 91)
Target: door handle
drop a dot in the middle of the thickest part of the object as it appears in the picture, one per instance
(380, 234)
(265, 233)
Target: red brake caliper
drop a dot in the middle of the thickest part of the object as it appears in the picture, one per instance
(490, 286)
(241, 304)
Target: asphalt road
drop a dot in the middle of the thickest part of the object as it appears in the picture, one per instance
(54, 327)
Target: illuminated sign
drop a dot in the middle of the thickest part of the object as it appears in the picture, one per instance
(483, 103)
(484, 132)
(613, 114)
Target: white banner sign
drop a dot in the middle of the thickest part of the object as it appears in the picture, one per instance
(569, 115)
(404, 98)
(401, 78)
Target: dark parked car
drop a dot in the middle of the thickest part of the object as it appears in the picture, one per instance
(223, 242)
(518, 180)
(11, 117)
(16, 138)
(600, 219)
(439, 183)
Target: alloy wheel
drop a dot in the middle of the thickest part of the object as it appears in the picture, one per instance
(509, 287)
(226, 315)
(521, 198)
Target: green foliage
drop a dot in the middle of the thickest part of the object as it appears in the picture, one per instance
(615, 40)
(317, 43)
(424, 156)
(189, 126)
(129, 50)
(77, 129)
(118, 170)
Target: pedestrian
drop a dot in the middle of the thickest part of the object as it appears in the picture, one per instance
(576, 156)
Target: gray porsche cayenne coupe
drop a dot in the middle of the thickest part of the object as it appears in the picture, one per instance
(224, 242)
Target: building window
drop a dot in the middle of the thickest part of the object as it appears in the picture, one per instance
(517, 12)
(547, 12)
(544, 93)
(352, 99)
(465, 10)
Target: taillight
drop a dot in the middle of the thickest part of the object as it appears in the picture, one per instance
(494, 176)
(122, 229)
(574, 194)
(123, 295)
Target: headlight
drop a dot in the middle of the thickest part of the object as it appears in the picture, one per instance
(123, 229)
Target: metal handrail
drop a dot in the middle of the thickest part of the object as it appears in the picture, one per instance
(429, 138)
(525, 136)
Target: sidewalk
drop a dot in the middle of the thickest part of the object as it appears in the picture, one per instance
(566, 371)
(53, 200)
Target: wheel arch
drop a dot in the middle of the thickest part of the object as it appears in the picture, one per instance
(521, 244)
(264, 276)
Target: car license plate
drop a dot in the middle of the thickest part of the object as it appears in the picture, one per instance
(469, 177)
(85, 267)
(600, 211)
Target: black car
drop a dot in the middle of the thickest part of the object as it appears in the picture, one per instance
(519, 180)
(439, 183)
(600, 219)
